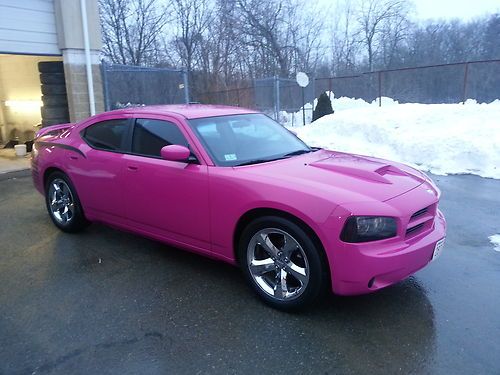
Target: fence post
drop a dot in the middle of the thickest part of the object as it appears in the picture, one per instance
(313, 89)
(464, 92)
(379, 88)
(186, 85)
(277, 97)
(105, 86)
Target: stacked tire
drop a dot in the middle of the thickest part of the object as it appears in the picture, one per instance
(54, 98)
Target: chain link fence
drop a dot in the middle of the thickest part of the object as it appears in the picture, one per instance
(272, 95)
(239, 97)
(445, 83)
(433, 84)
(126, 85)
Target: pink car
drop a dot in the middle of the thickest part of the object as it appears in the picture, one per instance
(234, 185)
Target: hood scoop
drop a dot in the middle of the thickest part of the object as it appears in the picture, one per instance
(359, 167)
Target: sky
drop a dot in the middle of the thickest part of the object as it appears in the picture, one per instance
(448, 9)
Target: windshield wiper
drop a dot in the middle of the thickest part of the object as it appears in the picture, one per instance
(290, 154)
(298, 152)
(255, 161)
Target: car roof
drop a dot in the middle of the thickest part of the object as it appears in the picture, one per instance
(189, 111)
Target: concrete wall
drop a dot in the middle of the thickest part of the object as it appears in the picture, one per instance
(71, 42)
(76, 84)
(20, 82)
(69, 24)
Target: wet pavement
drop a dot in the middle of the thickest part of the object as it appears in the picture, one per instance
(107, 302)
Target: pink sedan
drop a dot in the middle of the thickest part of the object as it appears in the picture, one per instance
(232, 184)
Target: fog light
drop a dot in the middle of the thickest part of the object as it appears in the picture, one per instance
(370, 283)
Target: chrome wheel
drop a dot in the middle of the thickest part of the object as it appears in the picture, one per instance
(62, 204)
(278, 264)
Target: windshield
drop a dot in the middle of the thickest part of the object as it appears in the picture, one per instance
(246, 139)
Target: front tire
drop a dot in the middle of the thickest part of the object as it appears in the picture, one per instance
(281, 262)
(63, 205)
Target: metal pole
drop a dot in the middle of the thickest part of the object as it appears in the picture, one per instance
(379, 89)
(186, 85)
(277, 97)
(303, 107)
(105, 87)
(313, 83)
(464, 92)
(88, 62)
(330, 88)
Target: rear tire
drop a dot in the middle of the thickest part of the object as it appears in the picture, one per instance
(51, 67)
(54, 89)
(282, 263)
(54, 121)
(53, 112)
(63, 204)
(55, 100)
(52, 78)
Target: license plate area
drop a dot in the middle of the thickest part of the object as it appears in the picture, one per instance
(438, 249)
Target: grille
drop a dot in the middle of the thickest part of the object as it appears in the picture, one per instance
(419, 213)
(414, 229)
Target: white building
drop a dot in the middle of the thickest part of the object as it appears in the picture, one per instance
(34, 31)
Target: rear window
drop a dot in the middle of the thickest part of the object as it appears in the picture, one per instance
(107, 135)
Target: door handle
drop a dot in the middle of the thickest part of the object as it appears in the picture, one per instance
(132, 168)
(73, 157)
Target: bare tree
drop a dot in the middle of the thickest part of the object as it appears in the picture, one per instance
(131, 30)
(266, 30)
(344, 45)
(308, 36)
(222, 51)
(395, 33)
(375, 18)
(192, 18)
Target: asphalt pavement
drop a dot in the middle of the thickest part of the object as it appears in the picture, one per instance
(108, 302)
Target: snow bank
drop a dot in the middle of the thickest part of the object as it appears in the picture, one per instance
(338, 104)
(440, 138)
(495, 240)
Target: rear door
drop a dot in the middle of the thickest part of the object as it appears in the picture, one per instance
(166, 198)
(98, 173)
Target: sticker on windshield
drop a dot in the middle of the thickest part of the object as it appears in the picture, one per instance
(230, 157)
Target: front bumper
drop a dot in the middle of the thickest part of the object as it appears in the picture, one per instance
(360, 268)
(367, 268)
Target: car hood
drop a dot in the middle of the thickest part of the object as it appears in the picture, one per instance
(346, 177)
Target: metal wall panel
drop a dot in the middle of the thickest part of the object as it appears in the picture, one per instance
(28, 27)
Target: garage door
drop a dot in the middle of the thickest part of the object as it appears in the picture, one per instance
(28, 27)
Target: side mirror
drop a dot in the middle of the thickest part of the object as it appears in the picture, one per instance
(175, 153)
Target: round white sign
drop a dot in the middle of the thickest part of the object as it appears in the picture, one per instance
(302, 79)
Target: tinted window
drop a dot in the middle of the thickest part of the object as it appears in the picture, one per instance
(151, 135)
(107, 135)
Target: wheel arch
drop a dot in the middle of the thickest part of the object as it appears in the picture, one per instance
(256, 213)
(48, 172)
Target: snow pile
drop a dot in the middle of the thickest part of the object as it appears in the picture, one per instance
(296, 118)
(495, 240)
(440, 138)
(338, 104)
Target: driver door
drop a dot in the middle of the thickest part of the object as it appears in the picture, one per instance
(166, 198)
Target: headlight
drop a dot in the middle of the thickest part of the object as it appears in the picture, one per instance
(368, 228)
